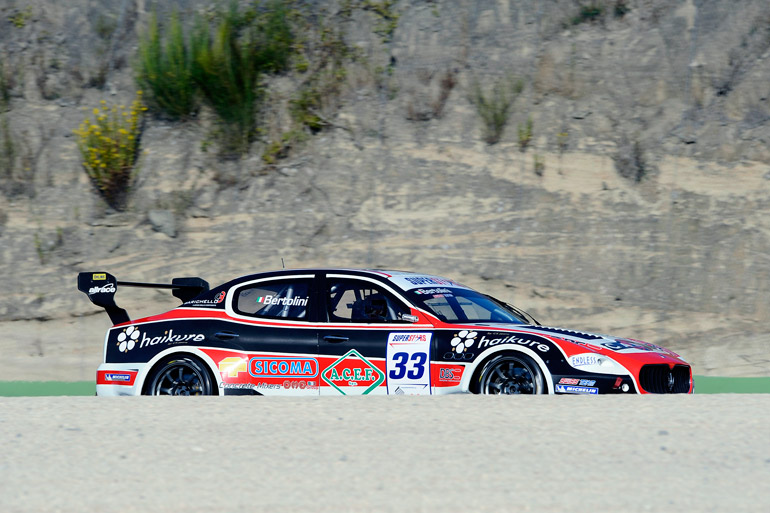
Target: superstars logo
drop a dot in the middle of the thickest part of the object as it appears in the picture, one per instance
(463, 340)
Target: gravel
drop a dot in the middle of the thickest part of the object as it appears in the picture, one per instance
(458, 453)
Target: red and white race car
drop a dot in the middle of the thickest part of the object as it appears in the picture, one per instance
(360, 332)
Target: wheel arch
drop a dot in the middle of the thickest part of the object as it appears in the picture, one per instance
(470, 378)
(182, 351)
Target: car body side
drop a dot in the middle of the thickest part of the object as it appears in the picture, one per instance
(318, 355)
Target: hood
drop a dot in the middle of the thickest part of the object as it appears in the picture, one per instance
(589, 340)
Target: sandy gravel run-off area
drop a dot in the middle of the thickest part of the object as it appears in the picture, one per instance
(460, 453)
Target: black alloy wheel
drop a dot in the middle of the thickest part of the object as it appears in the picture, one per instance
(180, 376)
(511, 374)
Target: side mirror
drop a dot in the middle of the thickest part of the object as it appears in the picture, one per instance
(408, 317)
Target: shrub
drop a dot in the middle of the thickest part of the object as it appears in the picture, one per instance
(7, 150)
(165, 69)
(589, 13)
(108, 145)
(494, 107)
(525, 134)
(227, 63)
(5, 86)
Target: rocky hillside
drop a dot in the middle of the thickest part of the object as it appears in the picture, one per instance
(627, 193)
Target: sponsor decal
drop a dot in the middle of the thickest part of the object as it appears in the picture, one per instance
(450, 374)
(232, 366)
(129, 338)
(116, 376)
(217, 299)
(124, 378)
(252, 386)
(283, 301)
(408, 363)
(411, 390)
(576, 381)
(409, 337)
(433, 291)
(429, 280)
(571, 389)
(622, 344)
(583, 360)
(514, 339)
(238, 386)
(300, 385)
(263, 367)
(353, 370)
(103, 289)
(578, 334)
(463, 340)
(98, 276)
(451, 355)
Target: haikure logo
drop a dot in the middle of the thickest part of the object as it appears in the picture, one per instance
(463, 340)
(127, 339)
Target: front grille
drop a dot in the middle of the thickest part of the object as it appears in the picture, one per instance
(662, 379)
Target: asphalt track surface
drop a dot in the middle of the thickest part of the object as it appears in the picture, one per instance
(400, 454)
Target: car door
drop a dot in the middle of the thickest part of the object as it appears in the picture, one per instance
(274, 329)
(365, 348)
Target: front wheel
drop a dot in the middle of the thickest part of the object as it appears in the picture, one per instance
(180, 376)
(511, 374)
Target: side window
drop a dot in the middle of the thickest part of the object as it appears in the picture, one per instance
(280, 299)
(361, 301)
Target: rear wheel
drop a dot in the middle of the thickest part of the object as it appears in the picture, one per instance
(180, 376)
(511, 374)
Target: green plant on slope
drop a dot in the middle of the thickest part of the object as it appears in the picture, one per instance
(494, 106)
(165, 69)
(228, 62)
(525, 134)
(108, 145)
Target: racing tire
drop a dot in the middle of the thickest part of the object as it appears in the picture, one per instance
(180, 375)
(509, 374)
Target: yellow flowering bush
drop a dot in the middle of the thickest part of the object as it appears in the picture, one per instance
(109, 143)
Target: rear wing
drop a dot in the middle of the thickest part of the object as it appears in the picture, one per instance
(100, 287)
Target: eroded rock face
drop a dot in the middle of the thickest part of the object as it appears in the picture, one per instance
(648, 217)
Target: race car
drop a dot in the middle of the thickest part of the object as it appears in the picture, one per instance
(359, 332)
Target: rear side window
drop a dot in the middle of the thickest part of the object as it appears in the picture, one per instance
(280, 299)
(349, 300)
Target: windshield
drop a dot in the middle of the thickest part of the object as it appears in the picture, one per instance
(452, 304)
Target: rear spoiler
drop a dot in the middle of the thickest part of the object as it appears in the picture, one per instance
(100, 287)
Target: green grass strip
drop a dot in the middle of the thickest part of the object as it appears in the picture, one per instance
(717, 385)
(703, 385)
(46, 388)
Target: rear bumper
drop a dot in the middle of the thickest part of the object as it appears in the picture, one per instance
(114, 379)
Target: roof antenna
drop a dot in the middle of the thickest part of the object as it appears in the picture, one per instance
(283, 266)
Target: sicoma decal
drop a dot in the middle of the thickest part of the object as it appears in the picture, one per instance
(261, 367)
(269, 367)
(129, 338)
(353, 370)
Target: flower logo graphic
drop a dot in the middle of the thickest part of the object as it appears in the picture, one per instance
(463, 340)
(127, 339)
